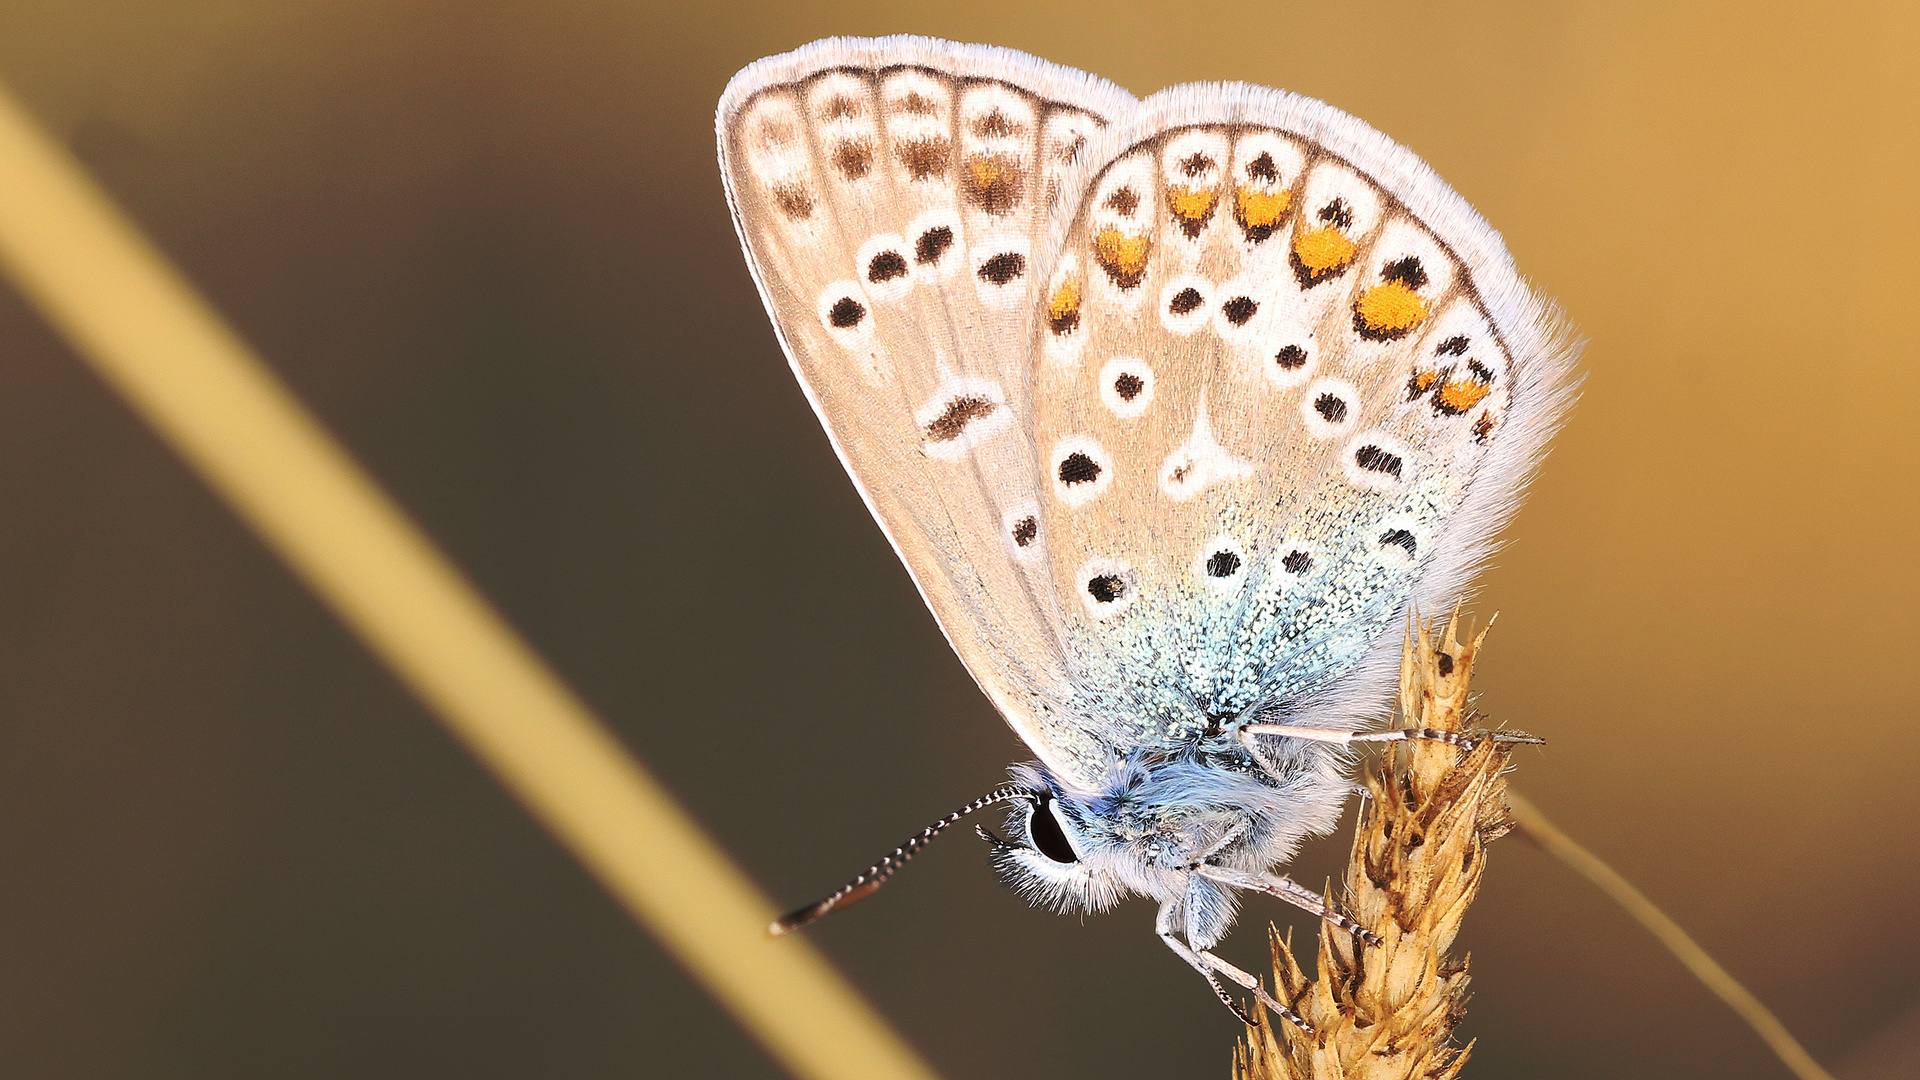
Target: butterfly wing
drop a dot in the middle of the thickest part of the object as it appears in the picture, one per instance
(894, 197)
(1302, 390)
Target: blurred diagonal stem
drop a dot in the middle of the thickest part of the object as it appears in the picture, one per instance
(152, 338)
(1532, 823)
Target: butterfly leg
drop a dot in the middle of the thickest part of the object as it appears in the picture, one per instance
(1293, 893)
(1347, 738)
(1211, 967)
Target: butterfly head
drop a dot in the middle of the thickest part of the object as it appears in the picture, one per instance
(1158, 821)
(1054, 852)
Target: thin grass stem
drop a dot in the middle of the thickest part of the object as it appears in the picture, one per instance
(1534, 824)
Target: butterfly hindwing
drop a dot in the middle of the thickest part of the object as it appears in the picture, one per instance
(893, 197)
(1280, 415)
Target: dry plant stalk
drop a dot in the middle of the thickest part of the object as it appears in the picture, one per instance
(1388, 1011)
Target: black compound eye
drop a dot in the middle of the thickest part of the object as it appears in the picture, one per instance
(1048, 837)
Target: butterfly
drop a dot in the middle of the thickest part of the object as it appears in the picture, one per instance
(1174, 408)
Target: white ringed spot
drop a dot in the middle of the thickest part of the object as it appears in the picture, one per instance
(934, 239)
(846, 313)
(1377, 461)
(961, 413)
(1081, 470)
(1126, 386)
(1330, 408)
(885, 264)
(1107, 587)
(1221, 564)
(1398, 542)
(1020, 527)
(1199, 463)
(1185, 303)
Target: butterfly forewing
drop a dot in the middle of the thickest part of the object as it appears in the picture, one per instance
(1282, 388)
(894, 201)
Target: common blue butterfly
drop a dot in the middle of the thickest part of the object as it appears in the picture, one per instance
(1174, 409)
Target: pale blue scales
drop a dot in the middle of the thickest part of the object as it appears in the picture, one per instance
(1174, 409)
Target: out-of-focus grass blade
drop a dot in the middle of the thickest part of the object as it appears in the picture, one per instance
(145, 330)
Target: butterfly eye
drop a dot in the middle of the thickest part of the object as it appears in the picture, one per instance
(1048, 833)
(843, 314)
(1331, 407)
(1079, 468)
(1374, 459)
(1291, 363)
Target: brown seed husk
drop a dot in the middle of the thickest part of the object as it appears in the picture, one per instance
(1387, 1012)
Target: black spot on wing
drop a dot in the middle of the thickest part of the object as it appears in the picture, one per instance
(886, 266)
(846, 313)
(932, 245)
(1003, 268)
(1223, 564)
(1373, 459)
(1078, 468)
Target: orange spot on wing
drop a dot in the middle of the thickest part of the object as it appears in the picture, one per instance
(1386, 312)
(1192, 207)
(1123, 257)
(1261, 208)
(1321, 253)
(1063, 308)
(1458, 395)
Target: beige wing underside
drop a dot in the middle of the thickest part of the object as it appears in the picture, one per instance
(893, 198)
(1282, 395)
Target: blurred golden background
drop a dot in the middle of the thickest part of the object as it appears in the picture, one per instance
(487, 243)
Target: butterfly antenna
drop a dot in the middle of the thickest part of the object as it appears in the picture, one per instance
(877, 874)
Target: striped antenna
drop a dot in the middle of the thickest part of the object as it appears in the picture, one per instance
(877, 874)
